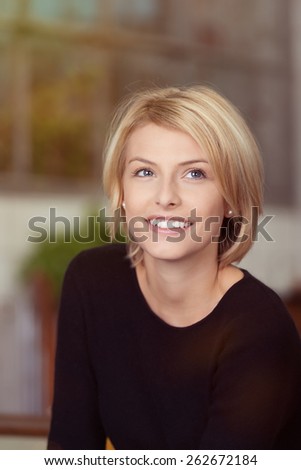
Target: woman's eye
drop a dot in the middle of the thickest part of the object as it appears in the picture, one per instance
(196, 174)
(144, 172)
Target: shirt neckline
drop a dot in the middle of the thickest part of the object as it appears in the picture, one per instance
(148, 311)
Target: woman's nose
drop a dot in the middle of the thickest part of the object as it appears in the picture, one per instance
(168, 195)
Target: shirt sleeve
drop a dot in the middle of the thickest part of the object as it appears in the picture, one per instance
(255, 387)
(75, 422)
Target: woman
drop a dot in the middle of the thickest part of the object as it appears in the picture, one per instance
(164, 343)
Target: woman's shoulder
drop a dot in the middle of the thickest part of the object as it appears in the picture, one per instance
(95, 263)
(256, 291)
(109, 253)
(259, 307)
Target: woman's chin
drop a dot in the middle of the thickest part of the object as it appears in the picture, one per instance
(169, 251)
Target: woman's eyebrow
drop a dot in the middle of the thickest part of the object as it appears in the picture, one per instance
(191, 162)
(143, 160)
(149, 162)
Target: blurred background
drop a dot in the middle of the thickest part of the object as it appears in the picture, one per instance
(64, 65)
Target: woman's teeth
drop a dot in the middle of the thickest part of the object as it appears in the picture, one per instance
(170, 223)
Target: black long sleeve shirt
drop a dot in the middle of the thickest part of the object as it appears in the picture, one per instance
(230, 381)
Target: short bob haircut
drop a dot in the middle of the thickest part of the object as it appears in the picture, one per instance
(219, 129)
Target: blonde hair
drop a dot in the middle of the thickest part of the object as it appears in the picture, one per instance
(217, 126)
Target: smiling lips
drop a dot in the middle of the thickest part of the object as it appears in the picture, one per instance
(170, 223)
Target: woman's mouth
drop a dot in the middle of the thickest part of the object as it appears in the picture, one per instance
(170, 224)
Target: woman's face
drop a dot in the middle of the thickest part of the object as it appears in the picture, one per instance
(173, 206)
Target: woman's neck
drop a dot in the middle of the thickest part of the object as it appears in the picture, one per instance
(183, 292)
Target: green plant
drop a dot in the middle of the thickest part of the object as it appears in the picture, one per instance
(51, 258)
